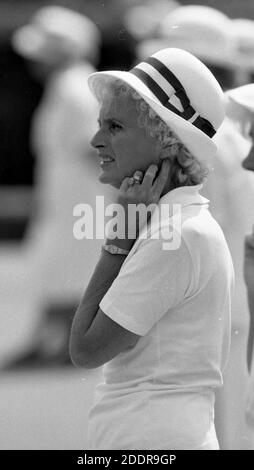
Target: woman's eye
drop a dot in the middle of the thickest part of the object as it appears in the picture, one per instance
(114, 126)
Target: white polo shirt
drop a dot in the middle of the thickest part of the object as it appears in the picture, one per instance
(159, 395)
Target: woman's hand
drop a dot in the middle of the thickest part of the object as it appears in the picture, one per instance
(135, 192)
(145, 191)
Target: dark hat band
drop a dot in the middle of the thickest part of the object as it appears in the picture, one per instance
(188, 111)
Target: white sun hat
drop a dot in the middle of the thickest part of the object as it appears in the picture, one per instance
(243, 95)
(203, 31)
(54, 29)
(244, 35)
(181, 90)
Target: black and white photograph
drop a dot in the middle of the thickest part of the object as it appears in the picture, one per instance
(127, 228)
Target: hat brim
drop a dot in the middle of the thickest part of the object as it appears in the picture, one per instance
(196, 141)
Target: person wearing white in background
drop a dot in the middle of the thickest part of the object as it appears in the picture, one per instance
(157, 317)
(143, 17)
(241, 108)
(244, 60)
(235, 190)
(222, 45)
(61, 47)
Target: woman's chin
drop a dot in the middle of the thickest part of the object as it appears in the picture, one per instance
(105, 178)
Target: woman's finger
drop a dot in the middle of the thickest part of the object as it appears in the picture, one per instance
(162, 178)
(125, 184)
(149, 176)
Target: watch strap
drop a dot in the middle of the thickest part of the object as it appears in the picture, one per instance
(115, 250)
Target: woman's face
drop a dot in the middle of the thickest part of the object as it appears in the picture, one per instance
(123, 146)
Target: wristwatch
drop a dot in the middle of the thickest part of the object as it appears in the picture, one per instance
(115, 250)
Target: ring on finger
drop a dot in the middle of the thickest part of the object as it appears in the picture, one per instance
(137, 178)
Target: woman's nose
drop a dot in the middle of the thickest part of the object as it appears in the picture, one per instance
(248, 162)
(99, 139)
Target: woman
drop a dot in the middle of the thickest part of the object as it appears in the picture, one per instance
(157, 315)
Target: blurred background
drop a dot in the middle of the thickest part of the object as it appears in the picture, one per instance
(46, 167)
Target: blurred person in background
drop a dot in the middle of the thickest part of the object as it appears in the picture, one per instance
(196, 28)
(240, 106)
(244, 34)
(214, 38)
(143, 18)
(61, 47)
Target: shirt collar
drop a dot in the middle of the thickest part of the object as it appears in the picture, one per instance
(185, 195)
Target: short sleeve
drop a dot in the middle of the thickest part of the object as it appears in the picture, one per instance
(150, 283)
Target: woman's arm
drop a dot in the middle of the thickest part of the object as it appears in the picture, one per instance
(95, 338)
(83, 345)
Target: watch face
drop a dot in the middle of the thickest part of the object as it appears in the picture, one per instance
(114, 249)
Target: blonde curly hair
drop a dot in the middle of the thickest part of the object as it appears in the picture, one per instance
(186, 170)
